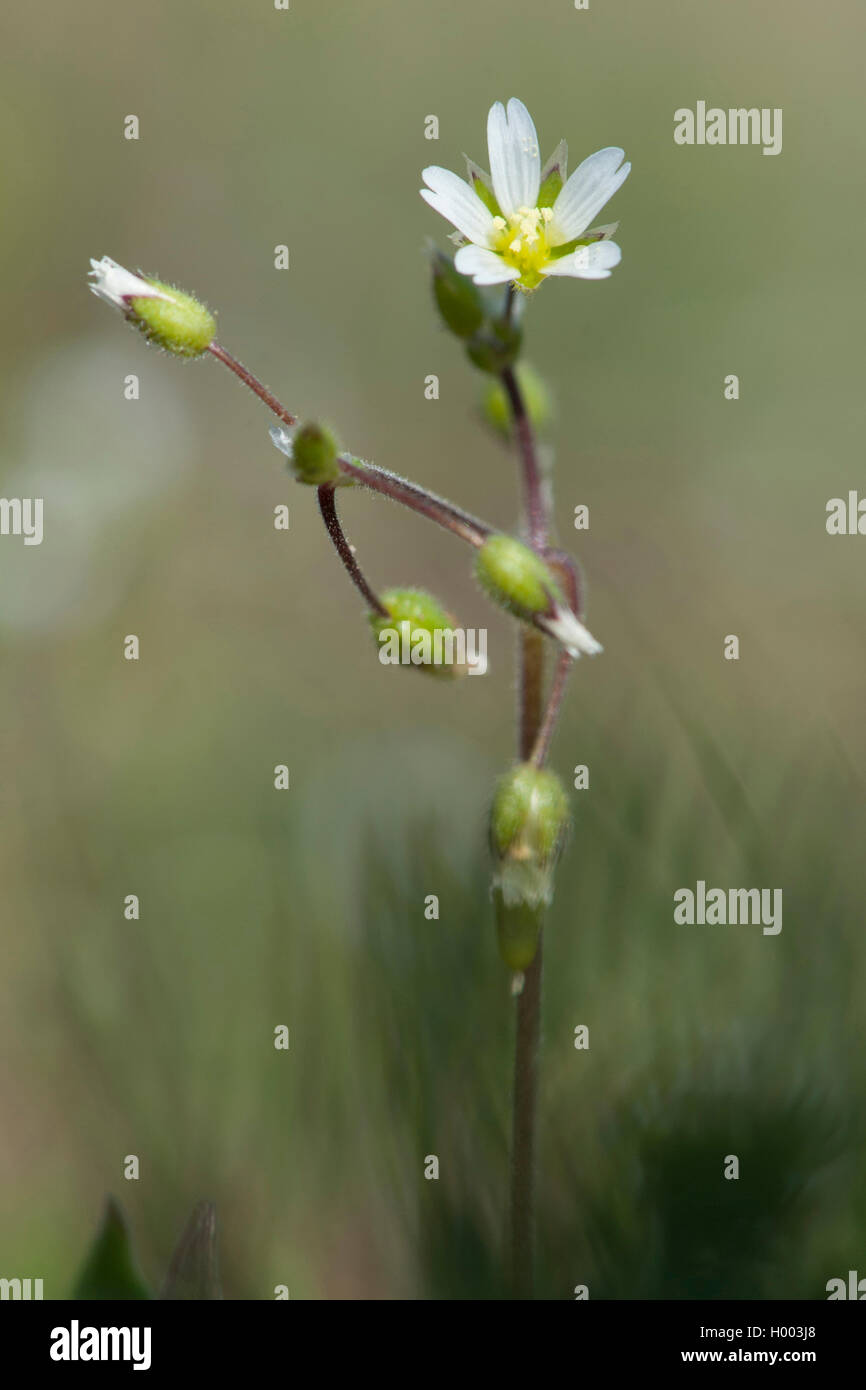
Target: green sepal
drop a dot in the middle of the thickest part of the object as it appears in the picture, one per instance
(482, 186)
(518, 927)
(595, 234)
(553, 176)
(566, 248)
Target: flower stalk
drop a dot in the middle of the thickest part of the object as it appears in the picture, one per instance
(328, 509)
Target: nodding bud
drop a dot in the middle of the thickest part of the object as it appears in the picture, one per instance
(522, 583)
(417, 631)
(457, 297)
(168, 317)
(312, 453)
(497, 409)
(528, 820)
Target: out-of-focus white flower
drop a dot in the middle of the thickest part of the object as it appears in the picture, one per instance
(523, 222)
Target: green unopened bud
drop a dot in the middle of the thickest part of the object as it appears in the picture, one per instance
(417, 631)
(457, 297)
(525, 586)
(515, 577)
(167, 316)
(528, 820)
(497, 408)
(313, 455)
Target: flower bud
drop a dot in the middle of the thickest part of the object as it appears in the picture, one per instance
(495, 346)
(166, 316)
(457, 297)
(417, 631)
(524, 585)
(312, 453)
(497, 409)
(528, 820)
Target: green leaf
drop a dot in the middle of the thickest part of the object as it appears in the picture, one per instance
(111, 1270)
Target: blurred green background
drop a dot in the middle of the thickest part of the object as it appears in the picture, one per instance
(306, 127)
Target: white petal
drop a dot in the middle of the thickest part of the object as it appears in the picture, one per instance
(589, 188)
(576, 639)
(593, 262)
(485, 267)
(454, 199)
(515, 164)
(282, 440)
(116, 285)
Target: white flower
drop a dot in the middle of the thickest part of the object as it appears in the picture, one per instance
(524, 223)
(567, 629)
(118, 286)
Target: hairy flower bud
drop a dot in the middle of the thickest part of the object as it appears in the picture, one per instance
(312, 453)
(417, 631)
(528, 820)
(521, 582)
(168, 317)
(457, 298)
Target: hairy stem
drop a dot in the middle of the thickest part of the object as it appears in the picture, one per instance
(526, 1049)
(541, 747)
(567, 570)
(401, 490)
(528, 1006)
(253, 383)
(418, 499)
(328, 508)
(534, 502)
(528, 1016)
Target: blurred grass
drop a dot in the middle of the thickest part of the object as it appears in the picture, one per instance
(707, 517)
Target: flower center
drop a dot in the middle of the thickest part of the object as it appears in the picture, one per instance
(522, 242)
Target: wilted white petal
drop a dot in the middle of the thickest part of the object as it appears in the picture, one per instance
(454, 199)
(283, 440)
(485, 267)
(589, 188)
(116, 285)
(515, 164)
(593, 262)
(568, 630)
